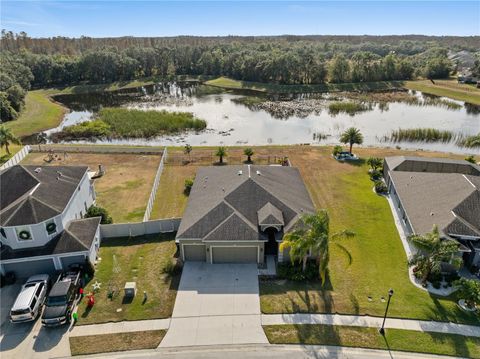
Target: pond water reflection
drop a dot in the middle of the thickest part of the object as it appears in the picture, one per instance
(232, 123)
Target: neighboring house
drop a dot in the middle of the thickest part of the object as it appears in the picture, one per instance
(41, 211)
(438, 191)
(238, 214)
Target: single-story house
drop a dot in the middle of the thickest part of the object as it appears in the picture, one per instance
(42, 229)
(238, 214)
(441, 192)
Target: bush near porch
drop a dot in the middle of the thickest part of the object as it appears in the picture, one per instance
(144, 260)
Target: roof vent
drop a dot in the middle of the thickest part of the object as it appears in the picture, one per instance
(258, 173)
(431, 213)
(38, 170)
(59, 174)
(223, 189)
(240, 172)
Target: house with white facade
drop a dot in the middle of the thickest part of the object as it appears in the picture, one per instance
(42, 229)
(441, 192)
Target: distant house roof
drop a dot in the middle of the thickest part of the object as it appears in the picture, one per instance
(441, 192)
(77, 237)
(32, 194)
(230, 202)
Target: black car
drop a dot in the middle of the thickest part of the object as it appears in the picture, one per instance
(62, 299)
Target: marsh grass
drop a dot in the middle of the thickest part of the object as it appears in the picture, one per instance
(469, 141)
(144, 124)
(127, 123)
(422, 135)
(349, 107)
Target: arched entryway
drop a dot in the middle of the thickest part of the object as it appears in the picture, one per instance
(271, 246)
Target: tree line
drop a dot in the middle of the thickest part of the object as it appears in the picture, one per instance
(284, 60)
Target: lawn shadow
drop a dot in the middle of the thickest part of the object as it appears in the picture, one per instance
(87, 311)
(355, 304)
(134, 241)
(127, 299)
(357, 163)
(387, 345)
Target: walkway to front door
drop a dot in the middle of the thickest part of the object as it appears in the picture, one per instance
(216, 304)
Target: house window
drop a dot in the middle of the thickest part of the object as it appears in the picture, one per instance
(86, 208)
(78, 188)
(81, 214)
(2, 232)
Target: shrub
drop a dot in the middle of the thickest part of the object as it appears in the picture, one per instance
(436, 285)
(375, 175)
(350, 108)
(469, 290)
(336, 150)
(95, 211)
(188, 186)
(380, 187)
(294, 271)
(471, 159)
(172, 267)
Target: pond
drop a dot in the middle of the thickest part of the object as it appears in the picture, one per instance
(278, 120)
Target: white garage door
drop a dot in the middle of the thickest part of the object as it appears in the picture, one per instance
(194, 252)
(234, 254)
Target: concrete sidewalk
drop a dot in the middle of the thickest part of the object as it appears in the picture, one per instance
(372, 322)
(120, 327)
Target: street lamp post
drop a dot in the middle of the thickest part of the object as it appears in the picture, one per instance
(382, 329)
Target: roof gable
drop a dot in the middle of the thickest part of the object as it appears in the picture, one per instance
(207, 223)
(269, 214)
(233, 229)
(469, 210)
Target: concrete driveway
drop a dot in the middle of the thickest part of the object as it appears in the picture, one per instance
(28, 340)
(216, 304)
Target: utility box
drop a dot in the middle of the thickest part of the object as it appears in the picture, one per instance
(130, 289)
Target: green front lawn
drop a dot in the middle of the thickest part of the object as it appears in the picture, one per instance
(140, 260)
(395, 339)
(378, 260)
(105, 343)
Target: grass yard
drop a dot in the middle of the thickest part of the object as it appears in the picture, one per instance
(94, 344)
(395, 339)
(231, 84)
(39, 114)
(4, 156)
(378, 258)
(124, 189)
(171, 200)
(447, 88)
(140, 260)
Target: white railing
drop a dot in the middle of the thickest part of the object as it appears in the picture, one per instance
(139, 228)
(156, 182)
(20, 155)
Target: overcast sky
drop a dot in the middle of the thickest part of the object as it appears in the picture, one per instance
(157, 18)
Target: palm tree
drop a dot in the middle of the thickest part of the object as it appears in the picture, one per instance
(249, 153)
(374, 162)
(7, 138)
(433, 252)
(221, 152)
(352, 136)
(312, 235)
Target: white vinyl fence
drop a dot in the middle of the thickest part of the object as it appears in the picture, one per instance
(156, 182)
(20, 155)
(139, 228)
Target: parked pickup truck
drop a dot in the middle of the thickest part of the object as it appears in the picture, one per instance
(62, 299)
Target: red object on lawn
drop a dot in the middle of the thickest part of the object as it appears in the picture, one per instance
(81, 292)
(91, 300)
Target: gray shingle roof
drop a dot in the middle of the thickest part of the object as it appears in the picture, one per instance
(77, 237)
(442, 192)
(220, 194)
(269, 214)
(30, 196)
(432, 165)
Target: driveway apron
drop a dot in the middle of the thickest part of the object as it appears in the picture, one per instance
(216, 304)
